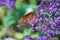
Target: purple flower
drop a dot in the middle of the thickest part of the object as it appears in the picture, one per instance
(57, 19)
(57, 4)
(37, 27)
(40, 19)
(2, 2)
(50, 8)
(44, 28)
(41, 10)
(53, 25)
(57, 28)
(50, 0)
(42, 38)
(55, 38)
(50, 22)
(39, 38)
(32, 23)
(36, 19)
(10, 4)
(53, 10)
(57, 32)
(49, 32)
(29, 38)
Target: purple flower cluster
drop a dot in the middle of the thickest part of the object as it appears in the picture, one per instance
(51, 6)
(10, 4)
(41, 38)
(2, 2)
(49, 32)
(38, 38)
(48, 19)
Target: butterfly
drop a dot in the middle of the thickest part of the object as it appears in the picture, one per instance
(25, 21)
(28, 18)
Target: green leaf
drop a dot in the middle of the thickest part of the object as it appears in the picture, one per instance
(34, 2)
(41, 33)
(22, 8)
(19, 35)
(18, 4)
(36, 34)
(1, 26)
(2, 12)
(27, 31)
(1, 34)
(10, 19)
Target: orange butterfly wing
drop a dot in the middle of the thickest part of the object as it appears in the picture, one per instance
(27, 18)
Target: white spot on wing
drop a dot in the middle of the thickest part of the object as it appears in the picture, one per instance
(29, 10)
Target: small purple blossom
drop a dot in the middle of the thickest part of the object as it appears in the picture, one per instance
(40, 19)
(57, 19)
(49, 32)
(44, 28)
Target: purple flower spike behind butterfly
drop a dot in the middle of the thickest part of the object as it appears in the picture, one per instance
(10, 4)
(2, 2)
